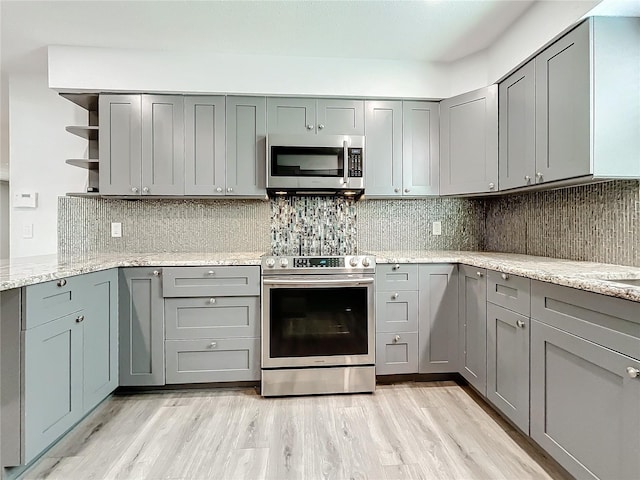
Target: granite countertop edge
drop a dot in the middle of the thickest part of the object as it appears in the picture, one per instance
(588, 276)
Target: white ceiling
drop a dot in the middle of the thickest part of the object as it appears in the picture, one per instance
(422, 30)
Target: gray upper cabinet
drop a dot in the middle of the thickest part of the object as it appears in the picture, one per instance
(141, 327)
(438, 318)
(120, 144)
(585, 90)
(469, 142)
(162, 145)
(204, 145)
(383, 148)
(246, 146)
(516, 113)
(311, 116)
(472, 329)
(420, 152)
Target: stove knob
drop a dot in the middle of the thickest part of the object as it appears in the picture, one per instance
(366, 262)
(284, 262)
(270, 262)
(353, 262)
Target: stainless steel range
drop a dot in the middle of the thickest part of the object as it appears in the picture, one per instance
(318, 325)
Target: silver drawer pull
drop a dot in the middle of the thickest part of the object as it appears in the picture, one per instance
(520, 323)
(395, 296)
(156, 273)
(505, 276)
(211, 272)
(633, 372)
(396, 339)
(80, 319)
(212, 300)
(62, 282)
(479, 274)
(213, 344)
(396, 266)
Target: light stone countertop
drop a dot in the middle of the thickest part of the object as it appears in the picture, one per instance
(589, 276)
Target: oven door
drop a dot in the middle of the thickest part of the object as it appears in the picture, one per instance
(317, 320)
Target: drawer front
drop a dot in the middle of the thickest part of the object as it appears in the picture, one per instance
(212, 360)
(212, 317)
(509, 291)
(396, 276)
(48, 301)
(396, 353)
(396, 311)
(209, 281)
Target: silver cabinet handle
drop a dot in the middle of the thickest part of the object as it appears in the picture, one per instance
(310, 126)
(527, 178)
(213, 344)
(492, 186)
(320, 126)
(229, 189)
(145, 189)
(396, 266)
(396, 190)
(539, 176)
(520, 323)
(395, 296)
(134, 189)
(156, 273)
(212, 300)
(62, 282)
(633, 372)
(211, 272)
(505, 276)
(80, 319)
(407, 190)
(219, 189)
(396, 339)
(479, 274)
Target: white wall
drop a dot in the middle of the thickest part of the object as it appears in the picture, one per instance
(38, 147)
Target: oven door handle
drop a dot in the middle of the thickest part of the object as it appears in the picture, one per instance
(318, 282)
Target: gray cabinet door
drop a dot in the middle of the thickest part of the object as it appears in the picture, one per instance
(563, 105)
(438, 319)
(204, 129)
(472, 311)
(509, 291)
(141, 329)
(120, 144)
(213, 360)
(396, 353)
(469, 142)
(52, 382)
(396, 276)
(100, 334)
(516, 114)
(246, 146)
(211, 281)
(396, 311)
(340, 117)
(584, 405)
(291, 115)
(420, 153)
(508, 364)
(383, 148)
(44, 302)
(162, 145)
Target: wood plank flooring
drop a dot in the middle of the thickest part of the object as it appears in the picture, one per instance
(425, 431)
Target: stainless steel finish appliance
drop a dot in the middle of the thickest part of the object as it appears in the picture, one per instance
(315, 165)
(318, 325)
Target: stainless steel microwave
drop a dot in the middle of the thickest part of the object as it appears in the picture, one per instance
(315, 165)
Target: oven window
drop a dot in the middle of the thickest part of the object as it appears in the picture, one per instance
(318, 322)
(307, 161)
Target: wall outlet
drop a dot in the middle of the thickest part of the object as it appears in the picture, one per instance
(437, 228)
(116, 229)
(27, 230)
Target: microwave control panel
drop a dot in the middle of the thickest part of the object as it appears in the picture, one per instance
(355, 162)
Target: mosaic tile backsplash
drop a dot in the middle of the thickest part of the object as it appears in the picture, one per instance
(598, 222)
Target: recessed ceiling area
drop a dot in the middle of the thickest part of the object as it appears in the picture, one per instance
(429, 30)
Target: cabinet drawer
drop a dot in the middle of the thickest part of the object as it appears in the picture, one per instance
(209, 281)
(48, 301)
(396, 353)
(212, 360)
(396, 311)
(396, 276)
(212, 317)
(608, 321)
(509, 291)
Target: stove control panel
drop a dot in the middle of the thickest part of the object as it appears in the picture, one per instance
(337, 264)
(318, 262)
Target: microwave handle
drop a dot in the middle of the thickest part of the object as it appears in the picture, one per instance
(345, 145)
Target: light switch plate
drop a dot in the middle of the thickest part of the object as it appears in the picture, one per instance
(116, 229)
(437, 228)
(27, 230)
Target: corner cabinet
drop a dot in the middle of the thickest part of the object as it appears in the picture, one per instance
(469, 142)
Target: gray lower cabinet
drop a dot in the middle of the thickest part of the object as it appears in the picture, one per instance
(508, 363)
(472, 326)
(211, 281)
(141, 327)
(438, 318)
(469, 142)
(396, 353)
(246, 146)
(397, 311)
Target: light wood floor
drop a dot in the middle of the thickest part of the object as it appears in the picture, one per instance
(403, 431)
